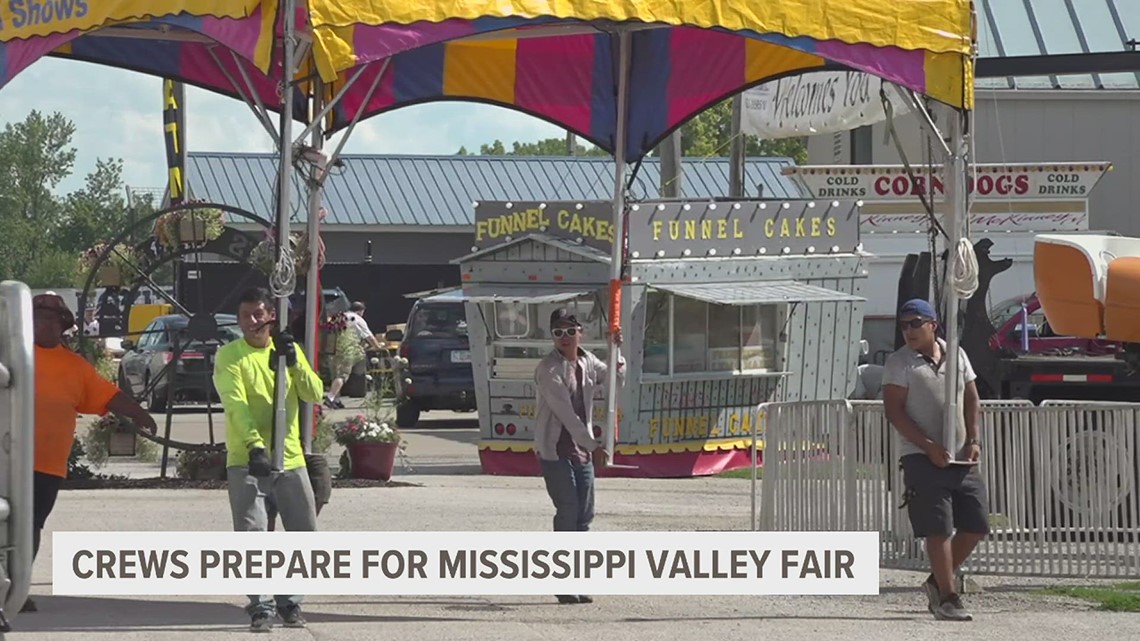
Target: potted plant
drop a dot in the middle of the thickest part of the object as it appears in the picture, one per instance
(264, 255)
(201, 465)
(118, 268)
(112, 435)
(372, 446)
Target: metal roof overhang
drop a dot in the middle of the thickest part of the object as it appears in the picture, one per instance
(486, 293)
(1058, 64)
(757, 292)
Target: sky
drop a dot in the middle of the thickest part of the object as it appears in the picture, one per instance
(118, 114)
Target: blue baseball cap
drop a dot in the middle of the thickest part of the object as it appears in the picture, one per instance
(919, 308)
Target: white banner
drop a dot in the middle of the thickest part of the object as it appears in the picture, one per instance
(1054, 182)
(469, 563)
(816, 103)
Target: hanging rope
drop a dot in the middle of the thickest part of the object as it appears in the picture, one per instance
(965, 269)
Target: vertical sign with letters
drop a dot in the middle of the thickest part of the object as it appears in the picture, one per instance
(173, 94)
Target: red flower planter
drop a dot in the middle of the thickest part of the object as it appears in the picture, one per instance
(373, 461)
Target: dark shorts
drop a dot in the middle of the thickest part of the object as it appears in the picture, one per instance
(941, 500)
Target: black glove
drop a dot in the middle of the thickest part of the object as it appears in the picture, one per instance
(283, 345)
(259, 462)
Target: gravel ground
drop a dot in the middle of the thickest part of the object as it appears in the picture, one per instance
(1009, 608)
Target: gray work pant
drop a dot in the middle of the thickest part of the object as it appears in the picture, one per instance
(293, 495)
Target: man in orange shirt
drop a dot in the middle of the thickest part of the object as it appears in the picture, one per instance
(66, 385)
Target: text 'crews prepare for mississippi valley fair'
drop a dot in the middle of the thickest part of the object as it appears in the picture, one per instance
(464, 564)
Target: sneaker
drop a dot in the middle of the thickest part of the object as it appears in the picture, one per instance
(29, 606)
(330, 403)
(260, 622)
(566, 599)
(291, 617)
(582, 598)
(951, 609)
(933, 598)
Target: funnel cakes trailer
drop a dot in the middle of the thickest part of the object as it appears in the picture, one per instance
(727, 305)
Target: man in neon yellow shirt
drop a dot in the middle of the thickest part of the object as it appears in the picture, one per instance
(244, 375)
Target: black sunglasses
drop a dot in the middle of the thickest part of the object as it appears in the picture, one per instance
(913, 323)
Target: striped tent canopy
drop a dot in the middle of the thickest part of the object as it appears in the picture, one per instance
(554, 59)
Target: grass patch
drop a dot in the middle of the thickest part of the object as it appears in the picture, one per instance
(1121, 597)
(741, 473)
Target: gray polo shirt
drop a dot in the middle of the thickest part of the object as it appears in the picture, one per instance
(926, 393)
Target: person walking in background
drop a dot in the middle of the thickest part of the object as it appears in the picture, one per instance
(356, 324)
(564, 436)
(66, 386)
(944, 491)
(245, 377)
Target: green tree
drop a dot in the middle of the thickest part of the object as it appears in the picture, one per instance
(544, 147)
(709, 133)
(97, 212)
(43, 231)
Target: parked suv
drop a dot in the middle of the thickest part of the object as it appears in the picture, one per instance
(438, 374)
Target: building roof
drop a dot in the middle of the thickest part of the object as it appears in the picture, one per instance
(440, 190)
(1008, 28)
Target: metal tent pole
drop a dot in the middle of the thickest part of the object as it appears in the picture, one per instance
(280, 284)
(312, 282)
(956, 229)
(624, 56)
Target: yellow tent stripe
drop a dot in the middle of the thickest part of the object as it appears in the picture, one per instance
(932, 25)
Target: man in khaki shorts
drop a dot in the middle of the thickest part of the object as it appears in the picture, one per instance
(942, 494)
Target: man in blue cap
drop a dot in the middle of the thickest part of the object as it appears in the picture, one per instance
(942, 494)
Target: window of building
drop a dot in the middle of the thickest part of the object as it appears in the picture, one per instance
(522, 334)
(688, 336)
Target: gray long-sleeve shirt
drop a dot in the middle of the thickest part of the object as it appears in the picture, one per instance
(556, 381)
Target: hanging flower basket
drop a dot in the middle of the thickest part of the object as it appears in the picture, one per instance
(264, 255)
(110, 276)
(188, 227)
(191, 231)
(121, 443)
(117, 269)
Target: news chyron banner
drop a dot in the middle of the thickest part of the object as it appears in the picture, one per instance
(455, 563)
(173, 95)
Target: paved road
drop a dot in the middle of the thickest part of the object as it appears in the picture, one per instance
(449, 495)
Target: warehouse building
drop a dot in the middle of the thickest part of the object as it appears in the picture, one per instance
(395, 223)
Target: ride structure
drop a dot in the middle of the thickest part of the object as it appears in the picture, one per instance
(621, 75)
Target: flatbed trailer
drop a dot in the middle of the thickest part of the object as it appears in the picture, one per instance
(1082, 377)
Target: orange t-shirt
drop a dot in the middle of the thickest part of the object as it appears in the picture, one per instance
(66, 386)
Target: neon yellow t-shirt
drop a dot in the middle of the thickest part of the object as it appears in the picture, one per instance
(245, 382)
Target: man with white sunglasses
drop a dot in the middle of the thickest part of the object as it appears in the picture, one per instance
(563, 430)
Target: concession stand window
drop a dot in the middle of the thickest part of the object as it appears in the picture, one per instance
(698, 328)
(517, 321)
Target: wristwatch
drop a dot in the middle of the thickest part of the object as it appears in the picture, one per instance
(973, 441)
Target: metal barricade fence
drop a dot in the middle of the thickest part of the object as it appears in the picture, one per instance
(1063, 481)
(17, 411)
